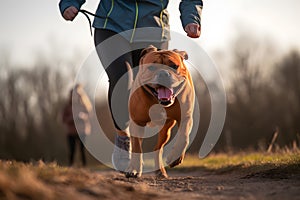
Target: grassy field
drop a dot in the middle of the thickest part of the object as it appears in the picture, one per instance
(244, 162)
(50, 181)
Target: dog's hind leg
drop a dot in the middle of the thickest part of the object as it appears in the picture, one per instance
(163, 138)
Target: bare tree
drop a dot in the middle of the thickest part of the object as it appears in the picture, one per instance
(248, 117)
(30, 106)
(286, 84)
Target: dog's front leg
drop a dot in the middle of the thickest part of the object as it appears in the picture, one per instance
(177, 153)
(163, 138)
(135, 167)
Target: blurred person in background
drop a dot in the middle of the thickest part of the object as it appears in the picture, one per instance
(76, 118)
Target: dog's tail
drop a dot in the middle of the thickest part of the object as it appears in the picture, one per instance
(130, 75)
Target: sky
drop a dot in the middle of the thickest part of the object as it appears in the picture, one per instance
(32, 26)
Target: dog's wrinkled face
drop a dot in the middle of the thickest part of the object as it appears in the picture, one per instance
(163, 73)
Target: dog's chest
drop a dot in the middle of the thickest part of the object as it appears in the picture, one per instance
(158, 115)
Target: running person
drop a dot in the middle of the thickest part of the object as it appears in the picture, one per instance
(132, 25)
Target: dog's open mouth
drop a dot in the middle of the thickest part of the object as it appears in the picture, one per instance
(165, 95)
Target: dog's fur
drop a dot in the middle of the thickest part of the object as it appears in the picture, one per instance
(162, 70)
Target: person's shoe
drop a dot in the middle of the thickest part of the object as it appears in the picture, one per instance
(122, 153)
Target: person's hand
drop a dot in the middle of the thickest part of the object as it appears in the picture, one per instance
(83, 115)
(70, 13)
(193, 30)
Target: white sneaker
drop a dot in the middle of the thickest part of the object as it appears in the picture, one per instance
(122, 153)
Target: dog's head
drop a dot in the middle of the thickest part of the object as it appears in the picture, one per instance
(163, 73)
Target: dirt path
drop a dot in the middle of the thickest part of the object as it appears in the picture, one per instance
(204, 185)
(51, 182)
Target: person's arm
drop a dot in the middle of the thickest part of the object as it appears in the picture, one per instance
(191, 17)
(69, 8)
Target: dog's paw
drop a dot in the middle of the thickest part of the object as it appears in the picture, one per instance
(161, 174)
(172, 163)
(133, 174)
(135, 167)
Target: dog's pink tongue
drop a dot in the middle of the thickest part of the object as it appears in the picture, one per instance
(164, 93)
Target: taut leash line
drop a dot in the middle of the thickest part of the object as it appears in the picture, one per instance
(86, 14)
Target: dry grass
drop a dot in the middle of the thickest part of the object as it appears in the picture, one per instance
(286, 162)
(41, 181)
(218, 161)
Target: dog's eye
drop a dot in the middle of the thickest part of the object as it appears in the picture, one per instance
(152, 68)
(175, 67)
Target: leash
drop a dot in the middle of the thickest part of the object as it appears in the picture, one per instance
(86, 14)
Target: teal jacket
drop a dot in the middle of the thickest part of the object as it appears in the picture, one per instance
(131, 15)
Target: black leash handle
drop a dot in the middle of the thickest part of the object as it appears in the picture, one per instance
(86, 14)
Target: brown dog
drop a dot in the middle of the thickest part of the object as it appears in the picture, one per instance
(163, 80)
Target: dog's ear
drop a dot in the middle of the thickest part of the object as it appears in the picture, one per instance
(147, 50)
(183, 54)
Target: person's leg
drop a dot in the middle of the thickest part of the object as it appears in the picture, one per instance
(82, 149)
(71, 142)
(114, 54)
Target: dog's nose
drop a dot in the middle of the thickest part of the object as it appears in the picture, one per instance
(164, 78)
(163, 74)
